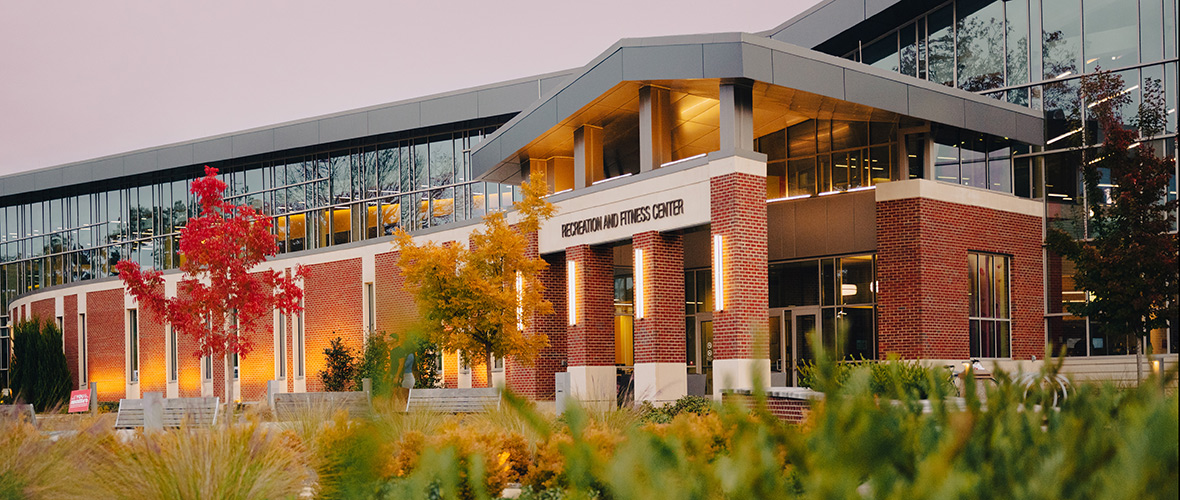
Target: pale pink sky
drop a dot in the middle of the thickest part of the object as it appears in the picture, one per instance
(81, 79)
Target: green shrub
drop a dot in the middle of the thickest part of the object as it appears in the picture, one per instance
(375, 365)
(698, 405)
(892, 378)
(40, 375)
(339, 367)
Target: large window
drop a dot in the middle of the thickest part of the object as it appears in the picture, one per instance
(173, 355)
(133, 341)
(819, 157)
(989, 305)
(845, 289)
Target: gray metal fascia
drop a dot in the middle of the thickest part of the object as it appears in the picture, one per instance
(508, 139)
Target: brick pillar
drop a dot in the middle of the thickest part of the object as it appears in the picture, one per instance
(535, 381)
(660, 373)
(738, 207)
(591, 337)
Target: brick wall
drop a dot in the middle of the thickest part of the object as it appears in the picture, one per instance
(535, 381)
(152, 369)
(189, 375)
(258, 366)
(43, 309)
(396, 310)
(450, 374)
(922, 272)
(659, 335)
(70, 333)
(739, 216)
(794, 411)
(334, 300)
(104, 312)
(591, 341)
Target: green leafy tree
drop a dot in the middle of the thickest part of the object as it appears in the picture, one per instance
(339, 367)
(480, 300)
(1129, 265)
(40, 375)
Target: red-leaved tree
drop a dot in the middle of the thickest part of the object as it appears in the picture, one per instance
(220, 300)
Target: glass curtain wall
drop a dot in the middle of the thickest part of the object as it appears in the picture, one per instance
(317, 199)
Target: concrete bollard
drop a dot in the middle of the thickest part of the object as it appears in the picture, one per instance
(367, 386)
(272, 388)
(153, 411)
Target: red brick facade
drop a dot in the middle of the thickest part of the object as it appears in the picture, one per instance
(107, 343)
(659, 334)
(739, 216)
(152, 368)
(334, 307)
(43, 309)
(70, 333)
(591, 340)
(535, 381)
(922, 248)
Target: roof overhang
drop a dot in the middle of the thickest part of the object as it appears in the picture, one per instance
(683, 61)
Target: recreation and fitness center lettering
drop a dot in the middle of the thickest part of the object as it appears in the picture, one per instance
(612, 220)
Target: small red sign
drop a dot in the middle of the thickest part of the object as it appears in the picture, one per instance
(80, 400)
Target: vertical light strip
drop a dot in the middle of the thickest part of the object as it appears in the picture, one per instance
(718, 273)
(571, 288)
(519, 301)
(640, 271)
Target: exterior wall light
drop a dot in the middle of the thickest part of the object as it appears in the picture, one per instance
(718, 273)
(571, 290)
(519, 301)
(640, 296)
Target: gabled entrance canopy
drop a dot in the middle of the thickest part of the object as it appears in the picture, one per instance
(789, 84)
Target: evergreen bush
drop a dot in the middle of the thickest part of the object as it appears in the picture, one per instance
(40, 375)
(339, 367)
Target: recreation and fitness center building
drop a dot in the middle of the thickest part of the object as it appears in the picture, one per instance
(880, 171)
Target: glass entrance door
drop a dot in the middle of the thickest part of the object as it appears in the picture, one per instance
(806, 322)
(698, 354)
(781, 350)
(705, 333)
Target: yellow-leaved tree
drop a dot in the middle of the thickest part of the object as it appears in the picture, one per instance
(480, 299)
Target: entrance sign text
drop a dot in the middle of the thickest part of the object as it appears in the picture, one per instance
(637, 215)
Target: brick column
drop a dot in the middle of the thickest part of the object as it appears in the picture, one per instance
(738, 206)
(590, 338)
(535, 381)
(660, 374)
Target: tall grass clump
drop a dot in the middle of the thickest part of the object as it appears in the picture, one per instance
(236, 462)
(33, 467)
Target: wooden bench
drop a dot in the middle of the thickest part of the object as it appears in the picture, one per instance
(454, 400)
(291, 405)
(194, 412)
(18, 413)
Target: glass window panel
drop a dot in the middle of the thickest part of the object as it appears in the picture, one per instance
(801, 139)
(1067, 334)
(828, 282)
(909, 51)
(442, 206)
(794, 284)
(823, 167)
(388, 166)
(823, 135)
(442, 161)
(946, 155)
(1061, 38)
(880, 164)
(421, 168)
(1111, 34)
(856, 329)
(690, 292)
(980, 44)
(690, 343)
(1151, 30)
(856, 280)
(828, 330)
(841, 164)
(972, 285)
(882, 53)
(941, 46)
(1000, 286)
(801, 177)
(849, 134)
(704, 282)
(1016, 15)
